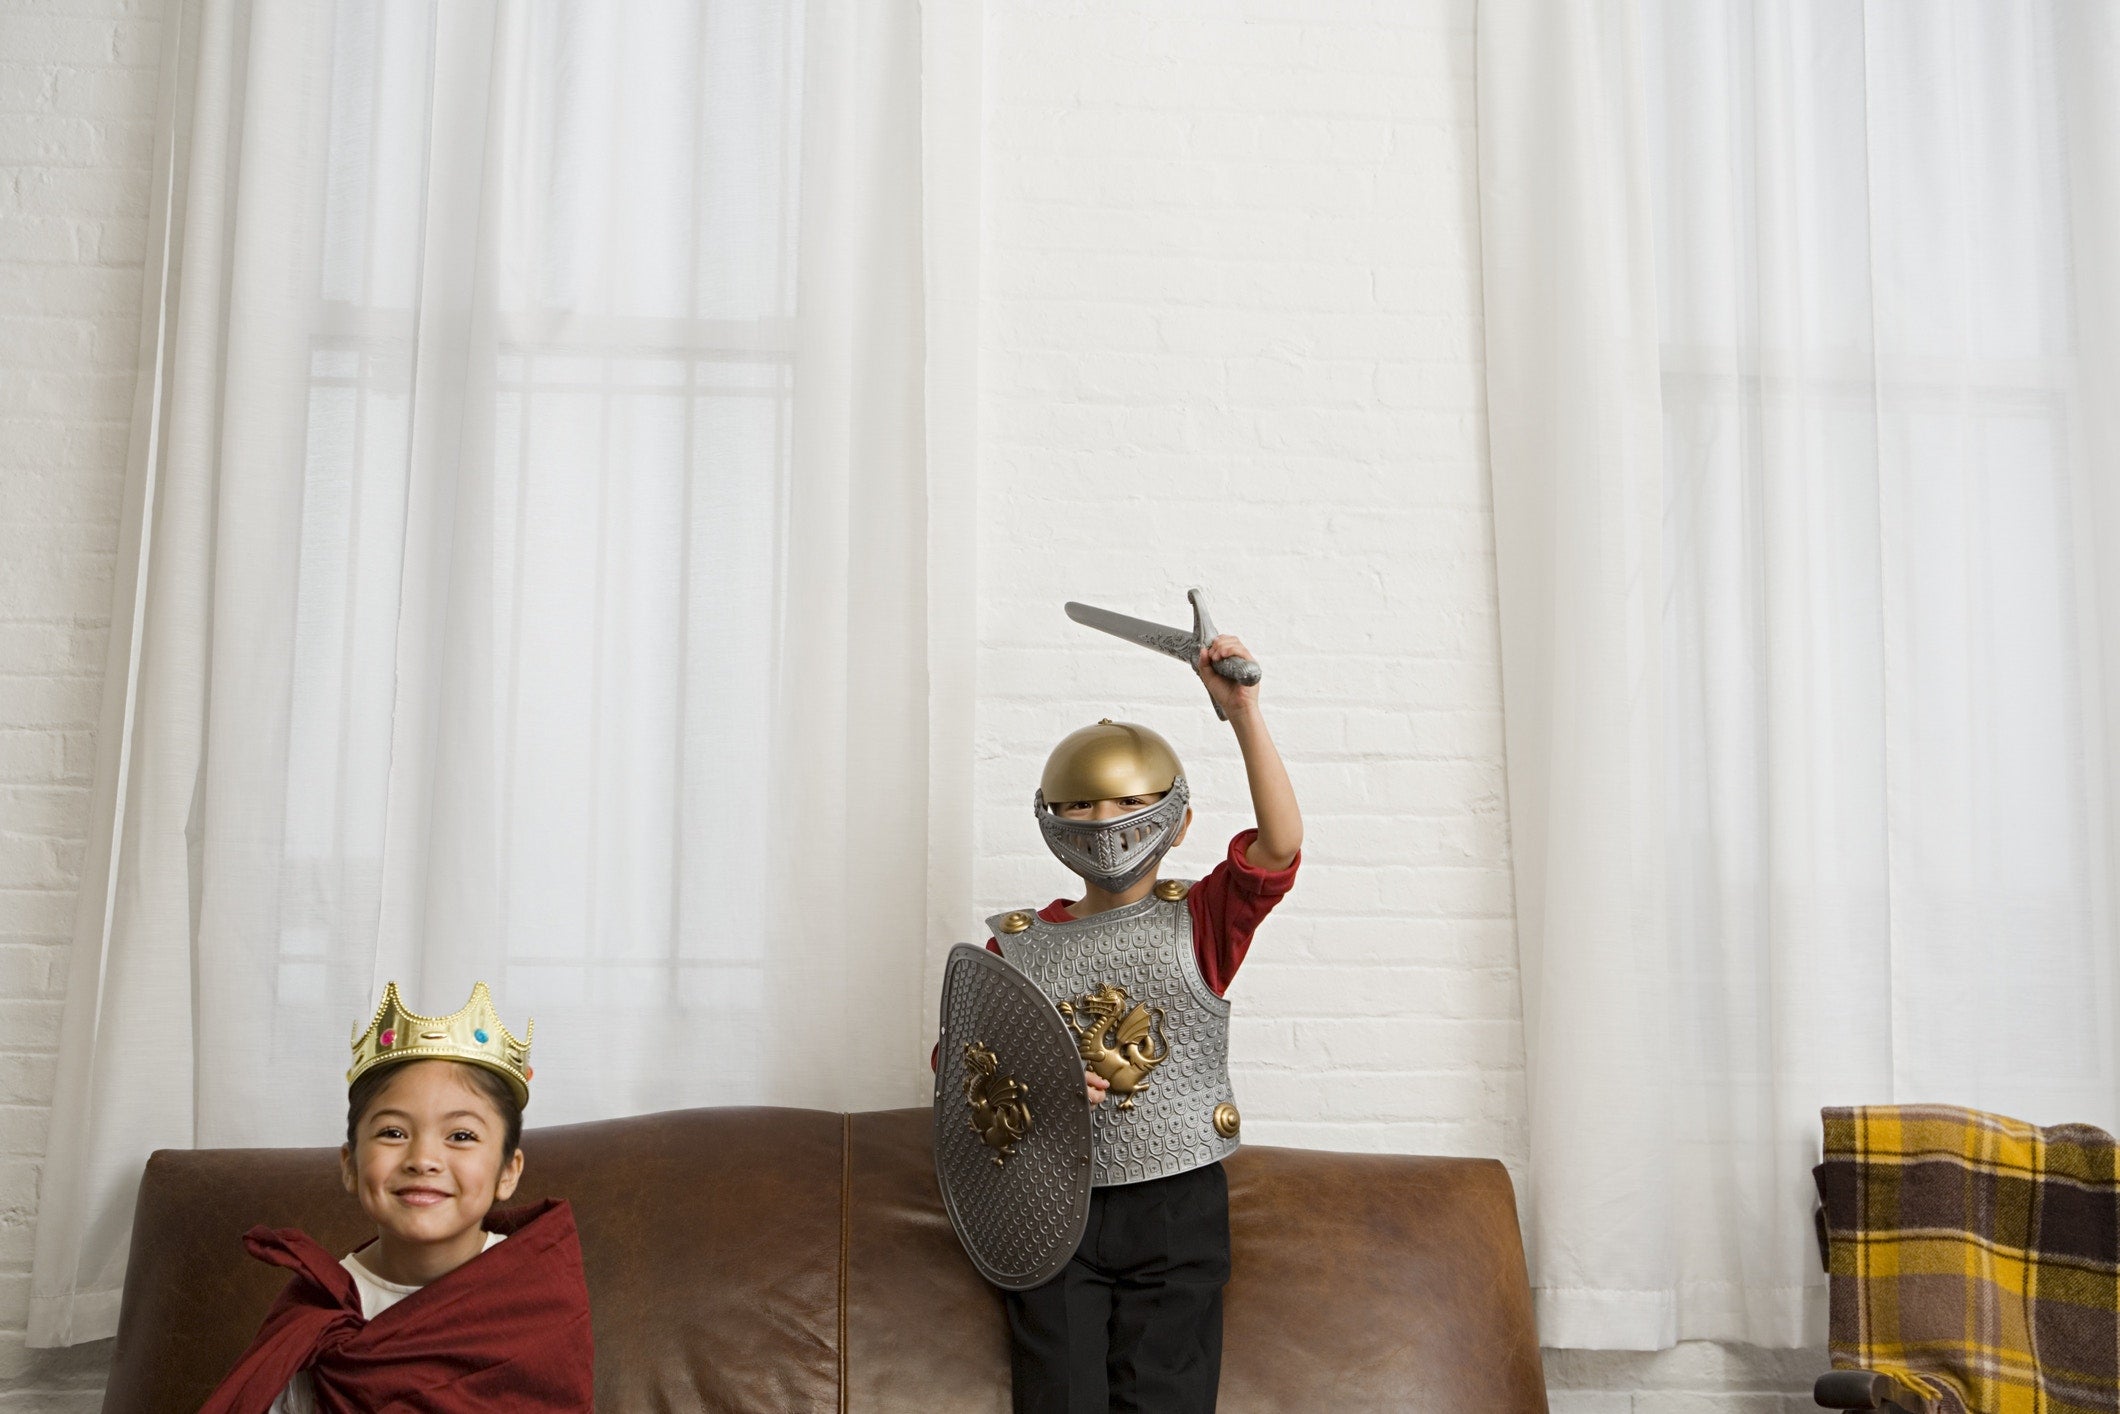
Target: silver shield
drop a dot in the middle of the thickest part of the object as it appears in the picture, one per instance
(1012, 1128)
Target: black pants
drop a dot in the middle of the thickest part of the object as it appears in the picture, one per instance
(1134, 1321)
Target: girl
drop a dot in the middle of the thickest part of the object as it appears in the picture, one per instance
(474, 1308)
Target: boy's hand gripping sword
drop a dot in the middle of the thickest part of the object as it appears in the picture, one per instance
(1175, 642)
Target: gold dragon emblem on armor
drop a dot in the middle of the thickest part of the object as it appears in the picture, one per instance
(1001, 1104)
(1121, 1043)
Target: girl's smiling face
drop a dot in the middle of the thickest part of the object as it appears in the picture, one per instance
(427, 1163)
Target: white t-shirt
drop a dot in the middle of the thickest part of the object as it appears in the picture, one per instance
(377, 1296)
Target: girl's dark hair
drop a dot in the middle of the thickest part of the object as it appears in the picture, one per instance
(361, 1094)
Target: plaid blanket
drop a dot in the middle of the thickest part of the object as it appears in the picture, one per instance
(1974, 1258)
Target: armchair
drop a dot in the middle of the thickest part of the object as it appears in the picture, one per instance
(1974, 1263)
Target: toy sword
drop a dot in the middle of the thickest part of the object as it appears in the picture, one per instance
(1174, 642)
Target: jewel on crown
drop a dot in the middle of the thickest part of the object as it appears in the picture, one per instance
(473, 1034)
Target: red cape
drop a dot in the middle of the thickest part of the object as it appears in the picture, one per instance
(507, 1330)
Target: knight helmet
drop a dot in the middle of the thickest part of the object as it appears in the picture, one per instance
(1110, 761)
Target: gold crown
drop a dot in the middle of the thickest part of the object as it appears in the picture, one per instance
(473, 1034)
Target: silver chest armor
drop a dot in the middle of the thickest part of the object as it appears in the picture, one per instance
(1182, 1112)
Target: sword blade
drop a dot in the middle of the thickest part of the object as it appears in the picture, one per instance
(1173, 642)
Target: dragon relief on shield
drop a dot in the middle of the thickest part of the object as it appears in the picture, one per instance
(1119, 1042)
(1001, 1104)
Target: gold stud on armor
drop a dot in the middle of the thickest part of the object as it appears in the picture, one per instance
(1015, 923)
(1170, 890)
(1227, 1120)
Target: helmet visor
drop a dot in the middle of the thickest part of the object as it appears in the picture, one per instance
(1115, 854)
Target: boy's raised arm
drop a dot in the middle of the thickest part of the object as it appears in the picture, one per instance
(1273, 797)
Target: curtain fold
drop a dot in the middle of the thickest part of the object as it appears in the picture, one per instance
(532, 583)
(1799, 326)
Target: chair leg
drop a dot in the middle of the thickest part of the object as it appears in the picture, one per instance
(1866, 1389)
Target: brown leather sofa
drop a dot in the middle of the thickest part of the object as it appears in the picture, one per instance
(771, 1259)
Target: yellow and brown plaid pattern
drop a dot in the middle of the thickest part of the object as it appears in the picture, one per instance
(1974, 1258)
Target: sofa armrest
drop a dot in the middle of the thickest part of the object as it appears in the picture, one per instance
(1866, 1389)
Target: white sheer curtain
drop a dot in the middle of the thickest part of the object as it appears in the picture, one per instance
(531, 578)
(1803, 326)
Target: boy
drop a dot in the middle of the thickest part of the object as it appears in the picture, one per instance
(1134, 1321)
(454, 1306)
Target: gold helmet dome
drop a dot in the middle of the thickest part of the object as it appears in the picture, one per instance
(1111, 761)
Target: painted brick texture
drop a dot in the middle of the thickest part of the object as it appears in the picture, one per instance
(77, 101)
(1231, 337)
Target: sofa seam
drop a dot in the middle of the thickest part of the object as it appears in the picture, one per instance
(846, 1196)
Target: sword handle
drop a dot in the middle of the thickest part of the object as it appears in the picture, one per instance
(1241, 671)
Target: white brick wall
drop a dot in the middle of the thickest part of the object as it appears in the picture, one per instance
(77, 100)
(1231, 337)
